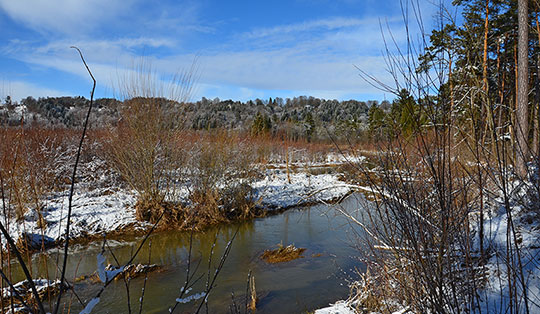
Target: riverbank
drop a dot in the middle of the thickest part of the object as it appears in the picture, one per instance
(510, 229)
(111, 211)
(297, 286)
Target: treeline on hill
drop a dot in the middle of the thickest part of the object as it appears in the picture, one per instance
(303, 117)
(58, 112)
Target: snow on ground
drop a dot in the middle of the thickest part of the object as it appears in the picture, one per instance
(340, 307)
(303, 160)
(344, 307)
(527, 226)
(100, 211)
(522, 217)
(93, 213)
(275, 191)
(334, 158)
(23, 287)
(525, 215)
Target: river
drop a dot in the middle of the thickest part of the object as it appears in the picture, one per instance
(319, 278)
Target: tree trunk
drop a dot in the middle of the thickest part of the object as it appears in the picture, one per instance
(484, 60)
(451, 84)
(536, 134)
(490, 125)
(522, 110)
(535, 127)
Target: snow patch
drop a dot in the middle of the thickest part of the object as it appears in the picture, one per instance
(104, 273)
(191, 298)
(90, 306)
(340, 307)
(107, 209)
(275, 191)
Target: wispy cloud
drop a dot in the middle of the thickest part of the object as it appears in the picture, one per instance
(105, 18)
(323, 63)
(63, 16)
(95, 47)
(343, 38)
(316, 56)
(327, 24)
(278, 70)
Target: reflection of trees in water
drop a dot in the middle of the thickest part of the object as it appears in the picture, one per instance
(170, 249)
(286, 229)
(172, 246)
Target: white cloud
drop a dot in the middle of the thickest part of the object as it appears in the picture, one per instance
(101, 48)
(279, 70)
(342, 38)
(316, 56)
(301, 68)
(20, 89)
(63, 16)
(223, 92)
(308, 26)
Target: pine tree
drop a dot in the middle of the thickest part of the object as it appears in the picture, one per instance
(522, 110)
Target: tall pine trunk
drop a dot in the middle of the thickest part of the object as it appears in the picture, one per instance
(522, 110)
(536, 119)
(484, 59)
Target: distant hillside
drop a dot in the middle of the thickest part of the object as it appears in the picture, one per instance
(299, 117)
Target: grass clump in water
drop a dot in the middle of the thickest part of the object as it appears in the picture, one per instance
(282, 254)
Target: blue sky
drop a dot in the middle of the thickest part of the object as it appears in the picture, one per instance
(243, 49)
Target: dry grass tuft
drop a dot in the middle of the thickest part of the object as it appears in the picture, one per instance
(282, 254)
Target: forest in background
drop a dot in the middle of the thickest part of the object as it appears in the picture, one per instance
(301, 117)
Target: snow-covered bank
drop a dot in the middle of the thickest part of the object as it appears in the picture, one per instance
(93, 213)
(507, 280)
(22, 294)
(340, 307)
(104, 210)
(510, 257)
(344, 307)
(275, 191)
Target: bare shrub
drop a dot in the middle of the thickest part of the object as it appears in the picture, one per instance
(420, 235)
(141, 147)
(222, 168)
(34, 162)
(437, 182)
(423, 253)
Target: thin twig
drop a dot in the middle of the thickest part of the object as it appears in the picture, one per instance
(24, 267)
(217, 271)
(72, 187)
(141, 300)
(14, 291)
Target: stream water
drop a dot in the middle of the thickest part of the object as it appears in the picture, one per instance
(319, 278)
